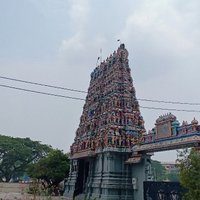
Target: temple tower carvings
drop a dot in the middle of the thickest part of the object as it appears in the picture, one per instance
(110, 125)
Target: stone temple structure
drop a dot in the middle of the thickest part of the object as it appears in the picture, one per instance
(110, 125)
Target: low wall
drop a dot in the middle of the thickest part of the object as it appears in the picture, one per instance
(14, 187)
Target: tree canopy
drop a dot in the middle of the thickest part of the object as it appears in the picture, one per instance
(173, 176)
(161, 174)
(158, 170)
(17, 153)
(51, 169)
(190, 173)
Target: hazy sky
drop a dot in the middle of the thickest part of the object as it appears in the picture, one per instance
(58, 41)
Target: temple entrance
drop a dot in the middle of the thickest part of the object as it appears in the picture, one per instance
(83, 171)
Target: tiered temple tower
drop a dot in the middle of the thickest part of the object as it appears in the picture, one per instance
(110, 125)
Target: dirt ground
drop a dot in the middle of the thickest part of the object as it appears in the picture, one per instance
(25, 196)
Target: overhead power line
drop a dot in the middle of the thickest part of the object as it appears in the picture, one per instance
(44, 93)
(42, 84)
(77, 98)
(170, 102)
(81, 91)
(169, 109)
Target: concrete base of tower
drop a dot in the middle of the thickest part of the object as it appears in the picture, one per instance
(141, 172)
(70, 187)
(105, 177)
(71, 182)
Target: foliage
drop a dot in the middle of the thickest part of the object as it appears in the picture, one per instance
(16, 154)
(51, 170)
(190, 173)
(173, 176)
(158, 170)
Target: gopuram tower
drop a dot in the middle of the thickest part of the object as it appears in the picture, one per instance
(110, 125)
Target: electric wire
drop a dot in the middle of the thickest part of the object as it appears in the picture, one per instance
(170, 102)
(81, 91)
(42, 84)
(77, 98)
(38, 92)
(169, 109)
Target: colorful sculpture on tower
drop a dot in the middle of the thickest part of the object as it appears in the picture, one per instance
(111, 115)
(110, 125)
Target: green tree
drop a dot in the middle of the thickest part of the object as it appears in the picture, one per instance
(173, 176)
(190, 173)
(16, 154)
(159, 172)
(51, 170)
